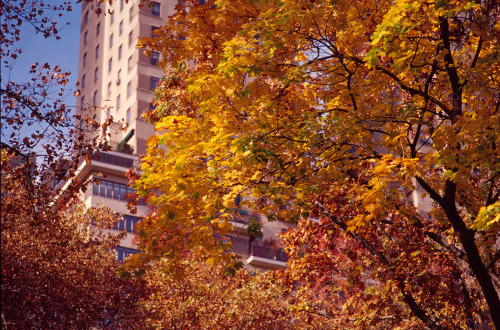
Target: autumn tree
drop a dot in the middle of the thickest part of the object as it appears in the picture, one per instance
(58, 269)
(206, 297)
(331, 264)
(286, 103)
(36, 121)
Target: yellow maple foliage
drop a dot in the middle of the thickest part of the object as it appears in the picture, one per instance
(275, 100)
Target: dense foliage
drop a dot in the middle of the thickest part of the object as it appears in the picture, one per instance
(205, 297)
(58, 269)
(346, 113)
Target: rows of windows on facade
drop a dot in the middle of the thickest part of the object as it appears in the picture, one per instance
(153, 59)
(117, 48)
(103, 37)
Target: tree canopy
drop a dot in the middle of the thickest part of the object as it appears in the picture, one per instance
(205, 297)
(58, 268)
(346, 112)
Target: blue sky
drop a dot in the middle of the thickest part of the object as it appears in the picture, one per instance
(63, 52)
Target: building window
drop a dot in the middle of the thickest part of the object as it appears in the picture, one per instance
(86, 37)
(109, 89)
(83, 103)
(152, 106)
(83, 81)
(122, 4)
(96, 74)
(156, 9)
(110, 65)
(153, 29)
(95, 97)
(129, 88)
(121, 27)
(86, 17)
(112, 17)
(129, 63)
(118, 101)
(84, 59)
(109, 112)
(124, 253)
(128, 223)
(110, 189)
(128, 116)
(97, 51)
(155, 58)
(119, 76)
(131, 14)
(130, 37)
(120, 52)
(98, 29)
(111, 40)
(153, 83)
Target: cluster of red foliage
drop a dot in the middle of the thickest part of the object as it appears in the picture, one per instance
(58, 269)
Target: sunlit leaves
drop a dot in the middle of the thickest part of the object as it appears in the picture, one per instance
(395, 103)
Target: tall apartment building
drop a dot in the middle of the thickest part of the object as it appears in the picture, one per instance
(118, 79)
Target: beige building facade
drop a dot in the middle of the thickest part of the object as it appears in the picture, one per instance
(117, 80)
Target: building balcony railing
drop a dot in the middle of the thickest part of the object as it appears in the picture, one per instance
(267, 257)
(121, 147)
(113, 159)
(269, 253)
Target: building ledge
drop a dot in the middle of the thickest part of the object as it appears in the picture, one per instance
(265, 262)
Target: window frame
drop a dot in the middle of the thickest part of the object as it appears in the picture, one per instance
(155, 58)
(156, 8)
(101, 189)
(130, 38)
(153, 29)
(153, 83)
(130, 63)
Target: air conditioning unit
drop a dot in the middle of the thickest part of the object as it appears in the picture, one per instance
(118, 81)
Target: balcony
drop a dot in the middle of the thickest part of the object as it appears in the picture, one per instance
(121, 147)
(264, 256)
(109, 158)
